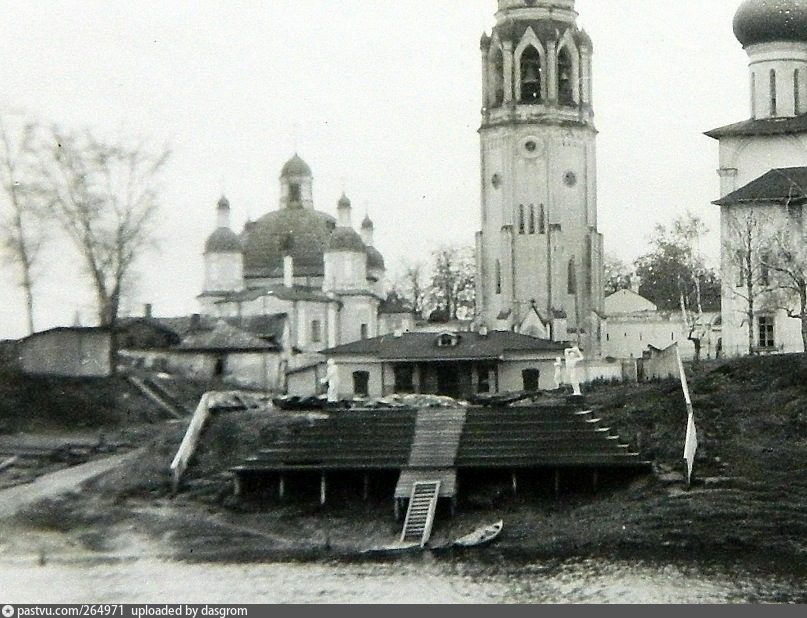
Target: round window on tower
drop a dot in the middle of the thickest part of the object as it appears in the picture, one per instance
(531, 147)
(570, 179)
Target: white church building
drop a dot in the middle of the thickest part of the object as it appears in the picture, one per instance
(763, 172)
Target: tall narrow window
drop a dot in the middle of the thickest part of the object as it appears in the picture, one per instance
(767, 331)
(498, 78)
(498, 277)
(764, 270)
(565, 85)
(541, 220)
(773, 93)
(521, 219)
(363, 331)
(796, 92)
(753, 95)
(294, 193)
(589, 265)
(532, 219)
(316, 331)
(530, 76)
(571, 278)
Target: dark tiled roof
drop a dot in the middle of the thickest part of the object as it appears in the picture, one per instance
(262, 326)
(346, 239)
(765, 21)
(423, 346)
(295, 167)
(374, 258)
(224, 338)
(764, 126)
(223, 240)
(267, 240)
(784, 186)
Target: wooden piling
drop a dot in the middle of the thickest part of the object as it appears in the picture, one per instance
(237, 488)
(281, 487)
(366, 489)
(322, 489)
(595, 479)
(514, 480)
(557, 484)
(397, 508)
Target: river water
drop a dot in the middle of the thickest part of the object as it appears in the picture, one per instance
(416, 579)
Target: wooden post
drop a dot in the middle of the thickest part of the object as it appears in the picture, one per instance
(595, 479)
(453, 505)
(366, 491)
(322, 489)
(237, 485)
(515, 484)
(281, 487)
(397, 507)
(557, 484)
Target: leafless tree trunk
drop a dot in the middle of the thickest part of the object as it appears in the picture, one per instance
(21, 231)
(745, 249)
(105, 197)
(785, 257)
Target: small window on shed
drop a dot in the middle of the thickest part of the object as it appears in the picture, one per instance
(447, 340)
(361, 383)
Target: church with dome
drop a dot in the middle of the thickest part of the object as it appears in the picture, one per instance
(324, 276)
(763, 177)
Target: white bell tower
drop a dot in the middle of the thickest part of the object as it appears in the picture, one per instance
(539, 247)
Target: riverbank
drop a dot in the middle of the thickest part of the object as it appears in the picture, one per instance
(749, 499)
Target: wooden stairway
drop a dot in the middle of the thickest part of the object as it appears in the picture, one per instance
(420, 515)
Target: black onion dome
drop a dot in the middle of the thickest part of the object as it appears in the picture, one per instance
(300, 232)
(346, 239)
(375, 259)
(223, 240)
(766, 21)
(344, 201)
(367, 224)
(295, 167)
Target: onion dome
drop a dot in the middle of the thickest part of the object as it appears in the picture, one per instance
(223, 240)
(295, 167)
(374, 259)
(584, 40)
(300, 232)
(767, 21)
(344, 201)
(346, 239)
(367, 224)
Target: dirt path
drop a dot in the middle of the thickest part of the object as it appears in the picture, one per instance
(57, 483)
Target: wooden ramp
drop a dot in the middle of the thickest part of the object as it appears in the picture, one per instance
(433, 453)
(420, 515)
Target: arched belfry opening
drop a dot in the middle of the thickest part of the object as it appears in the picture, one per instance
(531, 71)
(565, 77)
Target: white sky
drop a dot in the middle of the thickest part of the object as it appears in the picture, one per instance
(382, 96)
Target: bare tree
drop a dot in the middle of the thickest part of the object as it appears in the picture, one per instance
(22, 227)
(617, 274)
(785, 257)
(410, 284)
(745, 248)
(453, 288)
(106, 198)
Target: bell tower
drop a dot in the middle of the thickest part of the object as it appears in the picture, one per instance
(539, 248)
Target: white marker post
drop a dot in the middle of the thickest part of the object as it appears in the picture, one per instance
(691, 444)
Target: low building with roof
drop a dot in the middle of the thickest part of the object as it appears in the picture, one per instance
(68, 351)
(459, 365)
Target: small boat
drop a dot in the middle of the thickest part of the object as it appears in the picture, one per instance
(395, 548)
(481, 536)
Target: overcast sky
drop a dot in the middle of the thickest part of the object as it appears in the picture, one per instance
(380, 97)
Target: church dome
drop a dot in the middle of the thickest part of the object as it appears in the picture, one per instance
(344, 201)
(367, 224)
(295, 167)
(375, 259)
(300, 232)
(223, 240)
(766, 21)
(346, 239)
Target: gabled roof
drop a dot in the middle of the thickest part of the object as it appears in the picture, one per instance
(423, 346)
(763, 126)
(224, 338)
(261, 326)
(783, 186)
